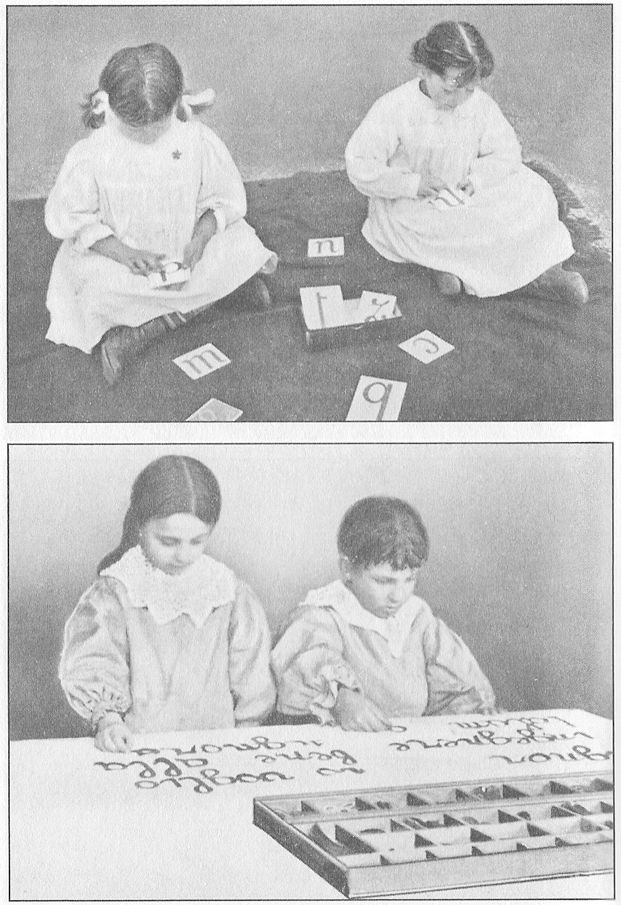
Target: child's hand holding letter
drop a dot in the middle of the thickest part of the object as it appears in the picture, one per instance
(353, 711)
(112, 733)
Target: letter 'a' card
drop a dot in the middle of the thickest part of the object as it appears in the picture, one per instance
(376, 399)
(214, 410)
(426, 346)
(202, 361)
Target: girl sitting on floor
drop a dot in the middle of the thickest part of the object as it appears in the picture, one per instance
(147, 187)
(167, 638)
(364, 650)
(447, 188)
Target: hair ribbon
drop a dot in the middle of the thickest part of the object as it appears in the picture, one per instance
(198, 100)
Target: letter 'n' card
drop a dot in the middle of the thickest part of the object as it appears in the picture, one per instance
(326, 248)
(376, 399)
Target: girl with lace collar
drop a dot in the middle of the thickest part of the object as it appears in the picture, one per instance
(167, 638)
(365, 649)
(447, 188)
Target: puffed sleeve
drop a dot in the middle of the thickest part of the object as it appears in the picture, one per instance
(222, 190)
(250, 678)
(309, 664)
(499, 150)
(455, 681)
(72, 208)
(94, 664)
(371, 147)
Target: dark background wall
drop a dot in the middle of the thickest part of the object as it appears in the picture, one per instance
(294, 81)
(520, 560)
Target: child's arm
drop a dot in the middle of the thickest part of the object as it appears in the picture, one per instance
(499, 151)
(313, 676)
(368, 151)
(250, 678)
(72, 211)
(94, 665)
(455, 681)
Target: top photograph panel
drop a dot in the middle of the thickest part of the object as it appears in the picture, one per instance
(309, 213)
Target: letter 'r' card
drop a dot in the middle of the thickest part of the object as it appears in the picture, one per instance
(377, 399)
(426, 346)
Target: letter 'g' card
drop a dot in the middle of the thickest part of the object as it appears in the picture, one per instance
(376, 399)
(214, 410)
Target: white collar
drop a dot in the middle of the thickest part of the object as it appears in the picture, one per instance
(197, 591)
(395, 629)
(437, 115)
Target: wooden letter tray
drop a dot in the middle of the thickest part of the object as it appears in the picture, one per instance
(416, 838)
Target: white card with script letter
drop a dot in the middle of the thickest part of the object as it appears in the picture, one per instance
(377, 306)
(202, 361)
(426, 346)
(323, 306)
(215, 410)
(326, 248)
(376, 399)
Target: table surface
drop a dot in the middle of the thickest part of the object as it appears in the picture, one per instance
(173, 818)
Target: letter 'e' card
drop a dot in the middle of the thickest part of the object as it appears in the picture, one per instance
(426, 346)
(376, 400)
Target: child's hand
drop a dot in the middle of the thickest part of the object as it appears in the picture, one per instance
(112, 734)
(138, 261)
(467, 187)
(431, 186)
(205, 229)
(353, 711)
(143, 262)
(194, 250)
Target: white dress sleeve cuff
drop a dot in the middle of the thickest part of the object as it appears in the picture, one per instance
(92, 233)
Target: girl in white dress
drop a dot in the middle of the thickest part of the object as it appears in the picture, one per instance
(447, 189)
(167, 638)
(149, 186)
(364, 650)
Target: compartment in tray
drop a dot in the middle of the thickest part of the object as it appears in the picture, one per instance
(454, 835)
(589, 806)
(583, 838)
(333, 842)
(374, 826)
(571, 786)
(563, 825)
(494, 847)
(449, 851)
(534, 842)
(333, 805)
(533, 812)
(434, 820)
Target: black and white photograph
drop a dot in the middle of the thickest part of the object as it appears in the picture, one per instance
(309, 213)
(287, 671)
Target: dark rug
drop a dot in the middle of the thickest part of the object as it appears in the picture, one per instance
(516, 358)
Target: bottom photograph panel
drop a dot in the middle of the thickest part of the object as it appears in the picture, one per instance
(310, 671)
